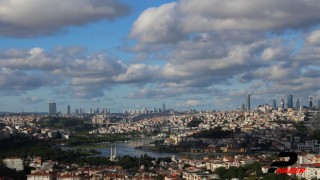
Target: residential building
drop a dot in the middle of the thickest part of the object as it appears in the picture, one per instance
(14, 163)
(248, 102)
(40, 176)
(52, 109)
(290, 101)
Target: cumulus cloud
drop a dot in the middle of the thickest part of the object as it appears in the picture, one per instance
(42, 17)
(31, 100)
(238, 46)
(36, 58)
(86, 77)
(314, 38)
(171, 22)
(156, 93)
(205, 49)
(212, 15)
(193, 102)
(15, 80)
(138, 73)
(157, 25)
(69, 51)
(274, 53)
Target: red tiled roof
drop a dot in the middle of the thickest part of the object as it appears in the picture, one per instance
(316, 164)
(68, 176)
(39, 174)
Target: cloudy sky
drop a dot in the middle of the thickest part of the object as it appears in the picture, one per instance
(125, 54)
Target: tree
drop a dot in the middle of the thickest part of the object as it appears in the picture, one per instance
(194, 122)
(253, 169)
(222, 172)
(273, 176)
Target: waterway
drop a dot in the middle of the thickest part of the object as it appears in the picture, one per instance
(127, 148)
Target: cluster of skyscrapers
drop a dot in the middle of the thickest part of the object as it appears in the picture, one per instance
(145, 110)
(283, 104)
(53, 110)
(289, 103)
(246, 106)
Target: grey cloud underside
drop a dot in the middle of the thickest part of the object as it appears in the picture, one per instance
(208, 47)
(84, 76)
(227, 43)
(31, 100)
(44, 17)
(240, 63)
(173, 22)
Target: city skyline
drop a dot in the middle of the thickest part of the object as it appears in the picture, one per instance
(188, 54)
(311, 103)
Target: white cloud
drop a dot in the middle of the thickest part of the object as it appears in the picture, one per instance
(273, 53)
(193, 102)
(40, 17)
(157, 25)
(314, 38)
(138, 73)
(31, 100)
(171, 22)
(36, 58)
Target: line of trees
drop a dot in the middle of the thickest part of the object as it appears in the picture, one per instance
(214, 133)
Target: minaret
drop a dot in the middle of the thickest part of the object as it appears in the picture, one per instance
(115, 153)
(115, 150)
(111, 154)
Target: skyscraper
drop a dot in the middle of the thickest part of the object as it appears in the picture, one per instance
(69, 110)
(290, 101)
(298, 104)
(76, 111)
(274, 104)
(282, 103)
(248, 102)
(310, 101)
(52, 109)
(163, 107)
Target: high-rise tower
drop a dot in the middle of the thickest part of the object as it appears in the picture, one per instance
(68, 110)
(310, 101)
(282, 103)
(52, 109)
(113, 153)
(274, 104)
(290, 101)
(248, 102)
(298, 104)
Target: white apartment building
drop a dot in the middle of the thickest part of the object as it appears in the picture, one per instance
(14, 163)
(198, 176)
(40, 176)
(311, 173)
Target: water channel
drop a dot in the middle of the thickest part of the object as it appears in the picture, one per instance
(127, 148)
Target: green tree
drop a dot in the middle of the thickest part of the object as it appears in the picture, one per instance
(194, 122)
(216, 132)
(222, 172)
(273, 176)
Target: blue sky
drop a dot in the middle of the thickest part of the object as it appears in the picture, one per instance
(125, 54)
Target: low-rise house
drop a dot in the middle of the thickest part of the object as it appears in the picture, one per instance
(40, 176)
(14, 163)
(69, 177)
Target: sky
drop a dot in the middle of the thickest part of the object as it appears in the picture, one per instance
(188, 54)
